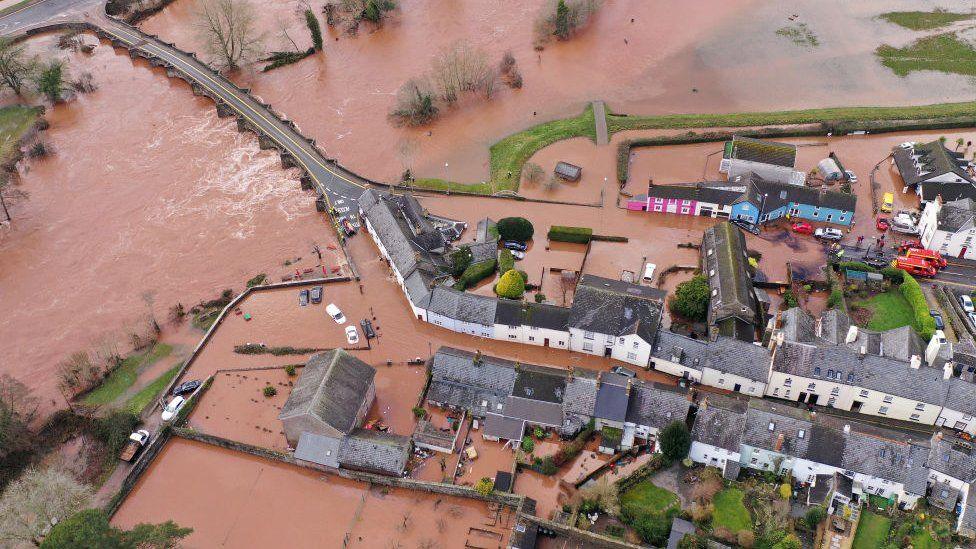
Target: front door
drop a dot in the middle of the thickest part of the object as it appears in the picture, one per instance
(962, 253)
(607, 352)
(803, 397)
(545, 342)
(737, 388)
(813, 399)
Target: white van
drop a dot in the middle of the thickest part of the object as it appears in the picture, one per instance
(649, 272)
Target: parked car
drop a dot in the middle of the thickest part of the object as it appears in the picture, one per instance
(515, 245)
(882, 224)
(623, 371)
(915, 266)
(649, 272)
(367, 328)
(745, 226)
(136, 442)
(303, 297)
(972, 318)
(316, 294)
(335, 313)
(877, 261)
(967, 303)
(186, 387)
(828, 233)
(906, 245)
(851, 176)
(173, 408)
(907, 145)
(887, 202)
(802, 227)
(517, 255)
(352, 335)
(937, 316)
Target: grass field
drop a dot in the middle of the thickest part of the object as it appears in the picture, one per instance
(872, 531)
(649, 496)
(925, 540)
(923, 20)
(942, 52)
(730, 512)
(123, 377)
(146, 395)
(15, 120)
(888, 310)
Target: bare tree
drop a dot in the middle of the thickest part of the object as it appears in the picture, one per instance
(228, 27)
(567, 281)
(17, 410)
(78, 372)
(461, 68)
(36, 501)
(415, 103)
(532, 173)
(604, 493)
(17, 68)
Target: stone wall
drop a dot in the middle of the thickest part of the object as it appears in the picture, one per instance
(142, 463)
(589, 539)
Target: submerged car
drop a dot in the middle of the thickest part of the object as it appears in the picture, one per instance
(352, 335)
(335, 313)
(517, 255)
(515, 245)
(367, 328)
(802, 227)
(316, 294)
(851, 176)
(882, 224)
(828, 233)
(186, 387)
(173, 408)
(937, 317)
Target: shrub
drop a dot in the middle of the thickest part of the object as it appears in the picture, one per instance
(675, 441)
(814, 516)
(257, 280)
(533, 173)
(269, 391)
(653, 528)
(835, 299)
(539, 433)
(475, 273)
(484, 486)
(746, 538)
(114, 429)
(506, 261)
(461, 259)
(415, 103)
(540, 297)
(314, 28)
(515, 228)
(548, 466)
(893, 274)
(419, 412)
(528, 445)
(923, 323)
(790, 300)
(580, 235)
(856, 266)
(690, 299)
(785, 491)
(290, 370)
(510, 285)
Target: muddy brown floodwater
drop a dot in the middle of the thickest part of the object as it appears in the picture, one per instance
(173, 201)
(232, 499)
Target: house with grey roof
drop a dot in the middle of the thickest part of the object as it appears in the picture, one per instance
(654, 406)
(736, 365)
(933, 170)
(946, 227)
(360, 450)
(462, 380)
(678, 355)
(330, 398)
(959, 407)
(770, 159)
(615, 319)
(733, 310)
(531, 323)
(716, 437)
(952, 473)
(461, 311)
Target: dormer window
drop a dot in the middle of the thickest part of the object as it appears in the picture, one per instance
(772, 426)
(801, 433)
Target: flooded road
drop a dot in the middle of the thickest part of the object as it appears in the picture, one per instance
(171, 207)
(640, 57)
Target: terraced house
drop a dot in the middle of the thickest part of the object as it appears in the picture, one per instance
(932, 170)
(733, 308)
(772, 160)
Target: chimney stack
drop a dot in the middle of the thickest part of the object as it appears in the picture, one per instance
(630, 383)
(934, 347)
(778, 446)
(851, 335)
(916, 362)
(847, 428)
(947, 370)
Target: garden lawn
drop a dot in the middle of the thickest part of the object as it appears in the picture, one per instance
(649, 497)
(888, 310)
(942, 52)
(925, 540)
(872, 531)
(125, 375)
(924, 20)
(730, 512)
(140, 400)
(15, 120)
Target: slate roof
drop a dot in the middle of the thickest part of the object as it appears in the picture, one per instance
(834, 326)
(540, 383)
(539, 315)
(463, 306)
(713, 192)
(734, 356)
(455, 380)
(318, 449)
(482, 234)
(611, 402)
(375, 451)
(883, 454)
(967, 520)
(953, 456)
(724, 253)
(607, 306)
(580, 394)
(902, 343)
(657, 405)
(331, 388)
(933, 159)
(483, 251)
(504, 427)
(957, 215)
(826, 445)
(798, 325)
(765, 152)
(779, 194)
(943, 496)
(407, 249)
(534, 411)
(961, 396)
(768, 426)
(720, 423)
(508, 312)
(679, 349)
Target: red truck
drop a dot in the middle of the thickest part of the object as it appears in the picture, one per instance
(915, 266)
(932, 256)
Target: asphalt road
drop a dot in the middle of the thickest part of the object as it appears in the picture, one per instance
(959, 272)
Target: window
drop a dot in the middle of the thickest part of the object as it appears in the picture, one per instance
(888, 399)
(588, 347)
(621, 341)
(831, 401)
(850, 377)
(533, 328)
(721, 381)
(775, 391)
(787, 393)
(636, 344)
(920, 406)
(812, 387)
(881, 453)
(631, 356)
(772, 426)
(686, 202)
(967, 418)
(959, 426)
(484, 403)
(510, 327)
(830, 217)
(709, 252)
(657, 207)
(561, 343)
(864, 393)
(835, 391)
(512, 336)
(714, 293)
(500, 406)
(914, 417)
(531, 338)
(816, 371)
(830, 373)
(801, 433)
(755, 460)
(788, 381)
(685, 210)
(587, 335)
(883, 410)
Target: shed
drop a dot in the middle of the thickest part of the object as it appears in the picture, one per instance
(503, 481)
(567, 171)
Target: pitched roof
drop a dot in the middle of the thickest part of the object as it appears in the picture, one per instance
(332, 388)
(957, 215)
(463, 306)
(580, 394)
(781, 429)
(540, 315)
(504, 427)
(902, 343)
(534, 411)
(409, 246)
(726, 266)
(720, 423)
(540, 383)
(953, 456)
(961, 396)
(679, 349)
(657, 405)
(734, 356)
(713, 192)
(318, 449)
(616, 308)
(773, 195)
(765, 152)
(883, 454)
(927, 160)
(611, 402)
(375, 451)
(463, 379)
(798, 325)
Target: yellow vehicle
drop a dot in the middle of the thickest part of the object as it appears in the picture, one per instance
(887, 203)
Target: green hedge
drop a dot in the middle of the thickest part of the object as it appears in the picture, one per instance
(475, 274)
(506, 262)
(924, 324)
(893, 274)
(609, 238)
(560, 233)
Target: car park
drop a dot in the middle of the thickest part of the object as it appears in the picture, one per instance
(937, 317)
(623, 371)
(173, 408)
(352, 335)
(186, 387)
(514, 245)
(335, 313)
(802, 227)
(967, 303)
(316, 294)
(367, 328)
(828, 233)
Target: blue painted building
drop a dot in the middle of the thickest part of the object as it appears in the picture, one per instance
(765, 201)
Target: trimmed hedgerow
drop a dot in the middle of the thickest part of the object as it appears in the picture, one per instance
(923, 322)
(475, 273)
(560, 233)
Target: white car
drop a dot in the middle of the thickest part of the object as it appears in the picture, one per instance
(649, 272)
(173, 408)
(335, 313)
(828, 233)
(352, 335)
(517, 255)
(907, 145)
(967, 303)
(851, 176)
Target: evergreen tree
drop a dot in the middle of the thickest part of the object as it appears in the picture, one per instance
(562, 20)
(314, 29)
